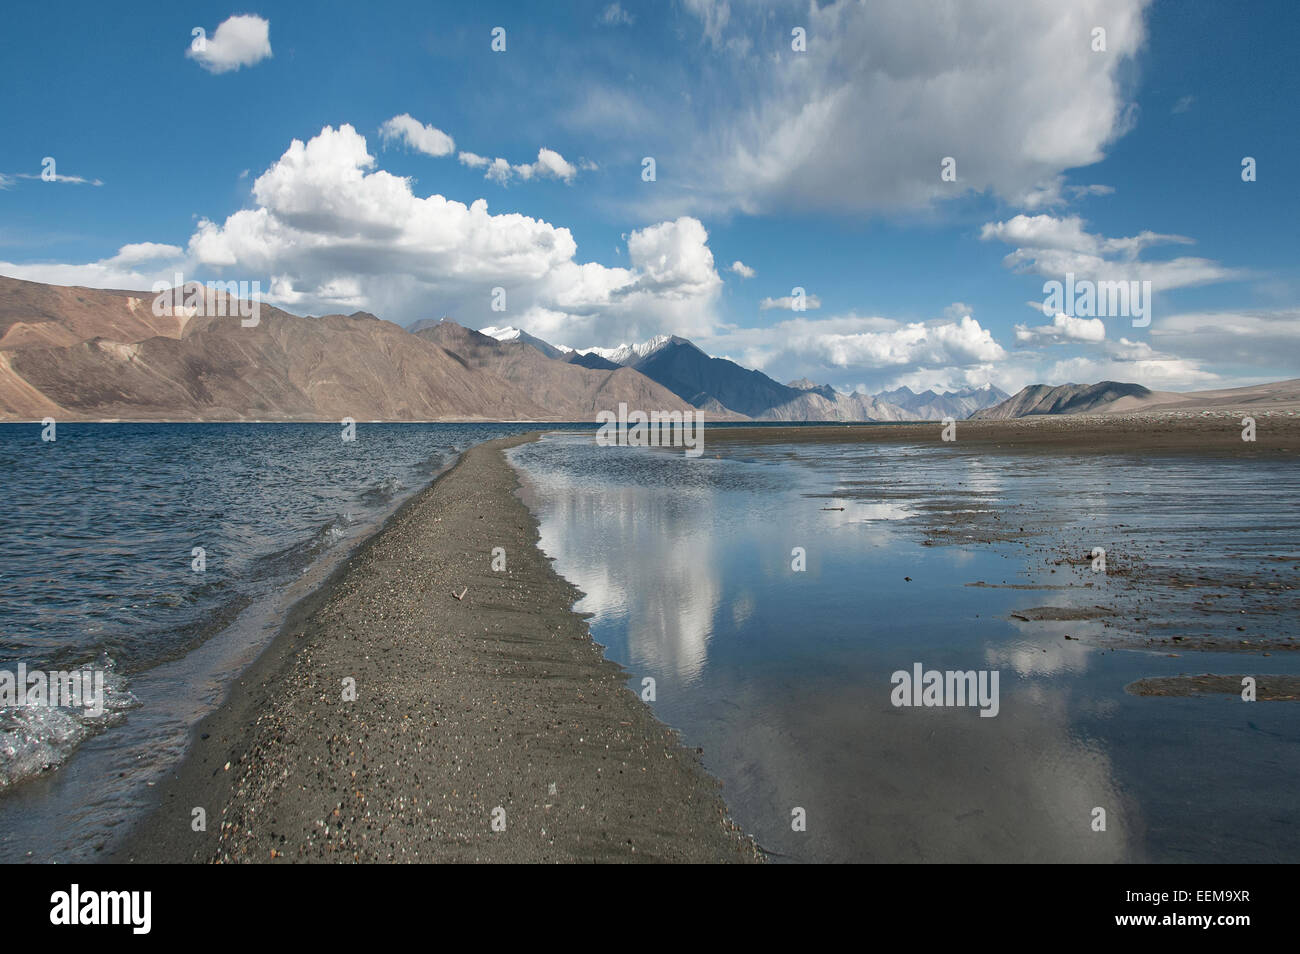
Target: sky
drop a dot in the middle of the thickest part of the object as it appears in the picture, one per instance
(868, 195)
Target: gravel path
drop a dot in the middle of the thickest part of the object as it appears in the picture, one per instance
(495, 704)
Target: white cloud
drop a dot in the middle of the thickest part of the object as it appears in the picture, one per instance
(810, 303)
(1262, 342)
(1156, 371)
(713, 15)
(550, 164)
(826, 349)
(743, 270)
(1065, 328)
(239, 41)
(6, 179)
(118, 271)
(1052, 193)
(416, 135)
(1054, 247)
(138, 253)
(326, 219)
(860, 122)
(329, 231)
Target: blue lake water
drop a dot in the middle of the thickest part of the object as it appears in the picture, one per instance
(97, 535)
(783, 676)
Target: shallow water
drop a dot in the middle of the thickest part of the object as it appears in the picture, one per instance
(97, 568)
(783, 677)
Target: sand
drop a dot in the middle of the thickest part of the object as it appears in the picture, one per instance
(1216, 433)
(496, 701)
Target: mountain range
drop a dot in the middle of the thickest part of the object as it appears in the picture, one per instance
(76, 353)
(718, 383)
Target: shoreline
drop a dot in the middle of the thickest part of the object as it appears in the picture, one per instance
(1147, 433)
(499, 700)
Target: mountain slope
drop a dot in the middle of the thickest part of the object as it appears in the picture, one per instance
(569, 391)
(931, 406)
(695, 377)
(1062, 399)
(33, 315)
(212, 368)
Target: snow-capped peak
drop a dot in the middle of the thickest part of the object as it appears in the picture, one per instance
(511, 333)
(628, 354)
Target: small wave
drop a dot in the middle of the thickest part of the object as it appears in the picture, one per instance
(385, 490)
(335, 531)
(34, 739)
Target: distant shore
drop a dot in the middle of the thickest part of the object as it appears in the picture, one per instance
(1158, 433)
(488, 727)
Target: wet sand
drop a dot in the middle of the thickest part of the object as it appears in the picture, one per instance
(1216, 433)
(496, 700)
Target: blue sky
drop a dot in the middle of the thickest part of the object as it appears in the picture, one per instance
(817, 169)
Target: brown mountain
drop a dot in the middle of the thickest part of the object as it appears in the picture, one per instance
(570, 391)
(80, 353)
(1061, 399)
(1110, 397)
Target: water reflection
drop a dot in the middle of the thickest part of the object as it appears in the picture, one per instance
(783, 677)
(667, 594)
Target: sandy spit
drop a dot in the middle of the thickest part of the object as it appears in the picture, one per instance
(499, 700)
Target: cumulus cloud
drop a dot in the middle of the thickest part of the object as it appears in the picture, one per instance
(329, 227)
(867, 348)
(242, 40)
(416, 135)
(1054, 246)
(874, 353)
(1065, 328)
(861, 121)
(549, 164)
(138, 253)
(743, 270)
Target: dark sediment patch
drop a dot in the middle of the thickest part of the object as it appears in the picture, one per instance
(1060, 613)
(1267, 688)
